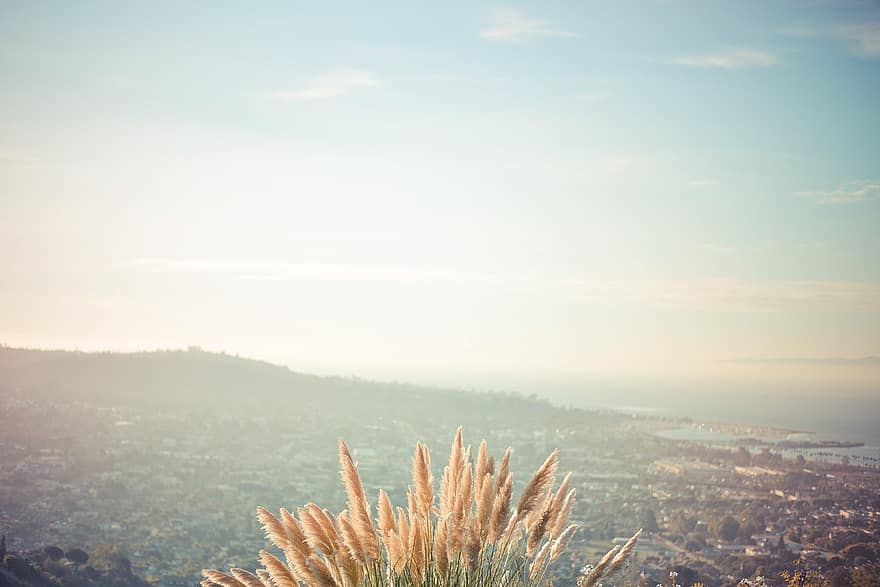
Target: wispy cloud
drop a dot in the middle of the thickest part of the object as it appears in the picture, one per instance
(687, 294)
(847, 193)
(331, 85)
(286, 271)
(510, 26)
(869, 361)
(865, 38)
(732, 59)
(731, 294)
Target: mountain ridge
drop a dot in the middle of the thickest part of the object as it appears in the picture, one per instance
(197, 379)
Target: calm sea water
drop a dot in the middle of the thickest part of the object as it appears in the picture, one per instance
(841, 417)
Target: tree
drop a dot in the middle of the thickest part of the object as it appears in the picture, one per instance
(866, 576)
(742, 457)
(112, 558)
(684, 523)
(53, 552)
(21, 569)
(802, 576)
(839, 577)
(746, 530)
(649, 521)
(867, 550)
(77, 556)
(727, 528)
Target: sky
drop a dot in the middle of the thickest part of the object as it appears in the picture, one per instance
(473, 194)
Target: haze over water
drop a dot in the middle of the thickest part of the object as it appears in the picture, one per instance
(830, 416)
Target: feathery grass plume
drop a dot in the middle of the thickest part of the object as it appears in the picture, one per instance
(537, 487)
(386, 515)
(278, 571)
(419, 549)
(562, 541)
(411, 507)
(472, 538)
(503, 469)
(590, 575)
(501, 509)
(423, 480)
(316, 535)
(396, 553)
(448, 481)
(265, 579)
(403, 526)
(538, 564)
(472, 547)
(357, 502)
(353, 546)
(463, 494)
(556, 504)
(482, 464)
(246, 578)
(321, 572)
(328, 524)
(294, 532)
(297, 557)
(439, 552)
(484, 505)
(623, 556)
(218, 578)
(563, 513)
(274, 528)
(536, 532)
(610, 564)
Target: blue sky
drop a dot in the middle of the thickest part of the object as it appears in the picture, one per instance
(471, 194)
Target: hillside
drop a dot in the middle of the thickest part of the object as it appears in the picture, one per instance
(169, 453)
(216, 382)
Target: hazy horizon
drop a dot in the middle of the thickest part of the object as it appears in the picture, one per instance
(469, 195)
(822, 408)
(586, 391)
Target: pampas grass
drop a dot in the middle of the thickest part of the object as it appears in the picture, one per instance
(468, 537)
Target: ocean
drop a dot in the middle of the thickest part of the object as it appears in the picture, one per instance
(840, 417)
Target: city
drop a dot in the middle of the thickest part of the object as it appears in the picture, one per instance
(176, 489)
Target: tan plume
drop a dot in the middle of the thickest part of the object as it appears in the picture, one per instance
(474, 536)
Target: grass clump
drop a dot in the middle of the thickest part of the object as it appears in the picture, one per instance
(472, 534)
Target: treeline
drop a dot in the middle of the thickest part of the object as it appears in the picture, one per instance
(53, 567)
